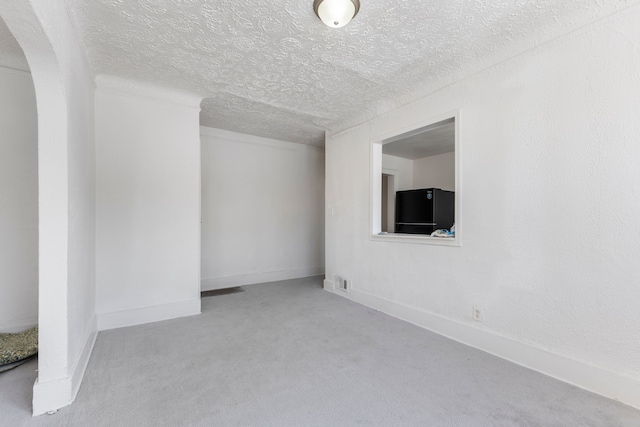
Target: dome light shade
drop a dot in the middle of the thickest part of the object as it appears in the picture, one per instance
(336, 13)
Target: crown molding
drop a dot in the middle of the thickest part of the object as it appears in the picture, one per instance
(228, 135)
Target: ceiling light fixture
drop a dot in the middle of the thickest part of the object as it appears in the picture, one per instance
(336, 13)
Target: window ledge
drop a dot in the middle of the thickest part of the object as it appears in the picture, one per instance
(415, 238)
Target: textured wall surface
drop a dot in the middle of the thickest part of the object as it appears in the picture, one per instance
(262, 209)
(273, 69)
(550, 198)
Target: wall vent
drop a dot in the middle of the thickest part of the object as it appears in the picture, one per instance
(343, 284)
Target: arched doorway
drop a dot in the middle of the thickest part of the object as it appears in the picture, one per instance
(18, 198)
(54, 387)
(18, 190)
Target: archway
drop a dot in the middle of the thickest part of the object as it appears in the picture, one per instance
(18, 194)
(18, 219)
(53, 387)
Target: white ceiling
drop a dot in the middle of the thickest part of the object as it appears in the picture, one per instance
(272, 69)
(438, 138)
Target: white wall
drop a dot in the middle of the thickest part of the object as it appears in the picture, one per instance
(64, 95)
(18, 202)
(262, 209)
(401, 169)
(435, 172)
(550, 198)
(148, 203)
(81, 217)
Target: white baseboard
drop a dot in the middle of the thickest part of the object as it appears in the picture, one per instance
(328, 285)
(83, 361)
(58, 393)
(576, 372)
(251, 279)
(156, 313)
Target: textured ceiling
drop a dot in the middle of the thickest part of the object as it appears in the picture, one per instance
(438, 138)
(11, 55)
(272, 69)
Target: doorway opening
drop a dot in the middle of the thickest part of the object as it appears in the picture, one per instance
(415, 183)
(19, 236)
(388, 202)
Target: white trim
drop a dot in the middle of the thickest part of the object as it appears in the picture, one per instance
(416, 238)
(252, 139)
(576, 372)
(214, 283)
(328, 285)
(83, 361)
(51, 395)
(142, 315)
(56, 394)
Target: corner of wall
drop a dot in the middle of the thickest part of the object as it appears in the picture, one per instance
(50, 396)
(214, 283)
(328, 285)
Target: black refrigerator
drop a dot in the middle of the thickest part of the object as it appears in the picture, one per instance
(425, 210)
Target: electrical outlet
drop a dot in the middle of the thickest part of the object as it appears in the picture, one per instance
(476, 313)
